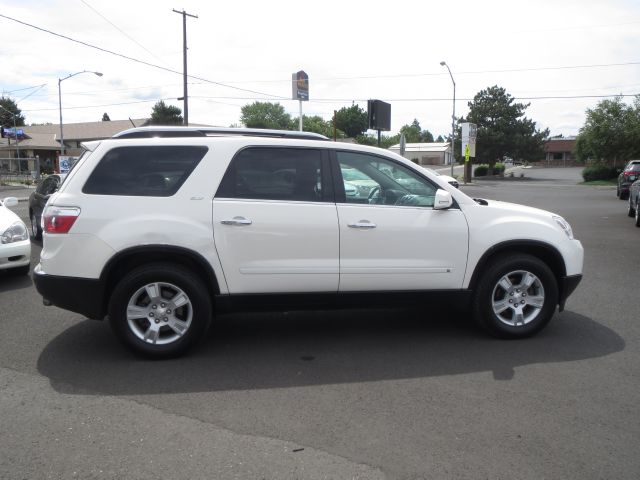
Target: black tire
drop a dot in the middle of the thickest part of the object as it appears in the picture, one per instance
(36, 231)
(637, 214)
(167, 281)
(624, 195)
(631, 211)
(489, 292)
(618, 192)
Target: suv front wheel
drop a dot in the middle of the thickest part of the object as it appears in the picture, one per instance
(516, 297)
(160, 310)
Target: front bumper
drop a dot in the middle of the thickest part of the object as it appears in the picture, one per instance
(14, 255)
(567, 285)
(81, 295)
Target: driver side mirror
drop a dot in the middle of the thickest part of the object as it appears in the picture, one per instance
(443, 200)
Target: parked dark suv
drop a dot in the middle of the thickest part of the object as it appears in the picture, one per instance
(38, 199)
(630, 174)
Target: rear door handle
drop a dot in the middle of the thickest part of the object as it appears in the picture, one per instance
(237, 221)
(365, 224)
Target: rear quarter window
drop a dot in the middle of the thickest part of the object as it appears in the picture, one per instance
(153, 171)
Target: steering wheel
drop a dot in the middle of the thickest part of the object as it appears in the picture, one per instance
(376, 195)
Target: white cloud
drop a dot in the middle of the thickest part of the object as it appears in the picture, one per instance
(256, 45)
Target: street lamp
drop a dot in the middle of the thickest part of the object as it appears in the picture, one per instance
(60, 80)
(453, 116)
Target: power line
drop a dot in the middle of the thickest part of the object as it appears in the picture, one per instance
(29, 94)
(577, 27)
(146, 87)
(434, 74)
(25, 88)
(123, 32)
(96, 106)
(126, 57)
(358, 77)
(334, 100)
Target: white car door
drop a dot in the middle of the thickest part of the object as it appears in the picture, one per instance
(275, 222)
(394, 239)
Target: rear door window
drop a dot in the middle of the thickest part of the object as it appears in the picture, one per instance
(267, 173)
(148, 171)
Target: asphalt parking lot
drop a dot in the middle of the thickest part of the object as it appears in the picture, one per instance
(409, 393)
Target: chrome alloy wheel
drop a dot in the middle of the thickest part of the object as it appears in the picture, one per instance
(159, 313)
(518, 298)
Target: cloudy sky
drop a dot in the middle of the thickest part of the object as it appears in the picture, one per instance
(559, 55)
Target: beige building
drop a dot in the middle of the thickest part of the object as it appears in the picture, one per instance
(43, 141)
(426, 153)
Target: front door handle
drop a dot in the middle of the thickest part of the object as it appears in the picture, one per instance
(366, 224)
(237, 221)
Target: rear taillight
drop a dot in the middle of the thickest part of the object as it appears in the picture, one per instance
(59, 219)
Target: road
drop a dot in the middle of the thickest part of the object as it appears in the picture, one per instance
(397, 394)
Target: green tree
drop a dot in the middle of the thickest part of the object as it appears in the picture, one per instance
(440, 139)
(9, 108)
(611, 131)
(503, 130)
(353, 121)
(414, 134)
(105, 117)
(265, 115)
(163, 114)
(386, 141)
(317, 124)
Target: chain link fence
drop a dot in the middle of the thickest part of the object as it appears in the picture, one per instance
(19, 170)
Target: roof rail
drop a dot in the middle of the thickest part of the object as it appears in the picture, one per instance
(169, 132)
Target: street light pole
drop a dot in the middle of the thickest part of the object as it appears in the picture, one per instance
(453, 116)
(185, 96)
(60, 80)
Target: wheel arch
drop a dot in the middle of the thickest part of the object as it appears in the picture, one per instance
(543, 251)
(130, 258)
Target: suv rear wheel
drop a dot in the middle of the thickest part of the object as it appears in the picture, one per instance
(516, 297)
(160, 310)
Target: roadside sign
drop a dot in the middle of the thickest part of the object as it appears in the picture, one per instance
(65, 163)
(469, 134)
(467, 153)
(300, 84)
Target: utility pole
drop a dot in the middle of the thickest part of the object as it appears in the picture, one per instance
(184, 62)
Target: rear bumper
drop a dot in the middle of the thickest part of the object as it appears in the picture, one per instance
(567, 286)
(81, 295)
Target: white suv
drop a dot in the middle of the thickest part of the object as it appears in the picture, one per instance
(161, 228)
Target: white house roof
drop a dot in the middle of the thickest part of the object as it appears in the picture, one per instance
(435, 147)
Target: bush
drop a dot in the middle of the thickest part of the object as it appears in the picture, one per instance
(599, 172)
(480, 170)
(483, 169)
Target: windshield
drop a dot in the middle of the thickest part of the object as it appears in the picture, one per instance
(351, 174)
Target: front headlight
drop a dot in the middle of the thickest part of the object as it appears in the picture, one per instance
(15, 233)
(564, 225)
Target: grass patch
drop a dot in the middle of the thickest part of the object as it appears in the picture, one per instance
(611, 183)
